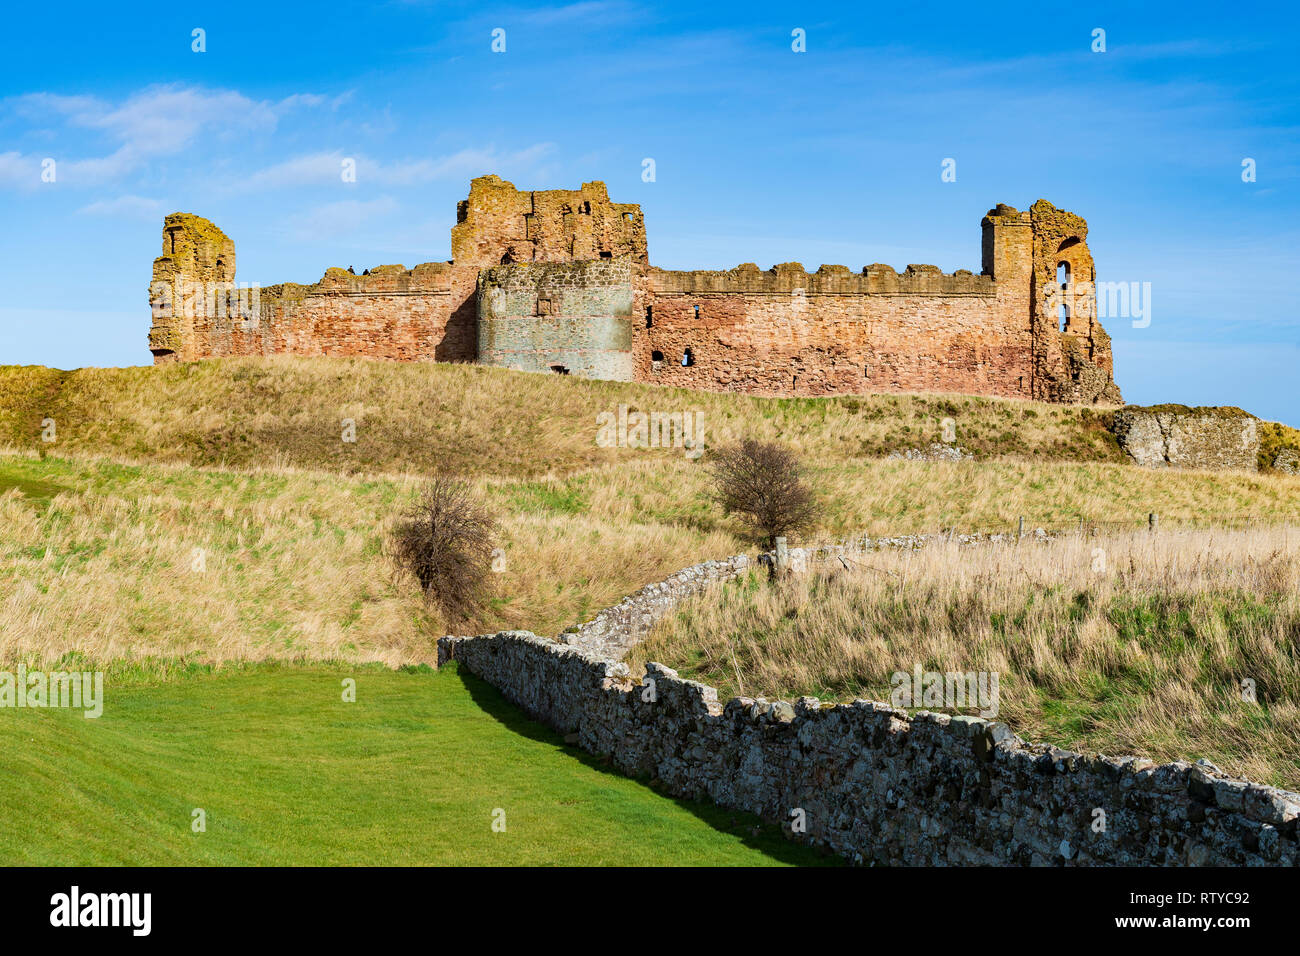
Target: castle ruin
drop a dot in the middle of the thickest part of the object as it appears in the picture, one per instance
(560, 281)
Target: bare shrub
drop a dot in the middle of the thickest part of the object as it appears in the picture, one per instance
(445, 542)
(763, 481)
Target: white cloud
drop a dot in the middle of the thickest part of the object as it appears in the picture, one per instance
(156, 121)
(19, 170)
(326, 168)
(126, 207)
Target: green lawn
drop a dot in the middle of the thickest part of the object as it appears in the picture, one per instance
(289, 774)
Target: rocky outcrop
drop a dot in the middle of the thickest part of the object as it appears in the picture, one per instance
(1176, 435)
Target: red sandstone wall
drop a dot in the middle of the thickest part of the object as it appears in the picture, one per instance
(782, 331)
(426, 313)
(963, 338)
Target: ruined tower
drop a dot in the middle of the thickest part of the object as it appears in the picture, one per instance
(557, 288)
(190, 282)
(1041, 263)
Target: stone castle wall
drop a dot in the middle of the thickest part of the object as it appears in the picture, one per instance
(586, 301)
(873, 783)
(573, 317)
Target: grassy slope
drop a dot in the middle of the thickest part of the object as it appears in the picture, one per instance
(97, 556)
(288, 774)
(473, 420)
(1131, 643)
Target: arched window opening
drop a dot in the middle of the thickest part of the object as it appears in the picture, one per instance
(1063, 273)
(1064, 316)
(688, 358)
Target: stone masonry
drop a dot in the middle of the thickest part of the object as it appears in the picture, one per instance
(559, 281)
(873, 783)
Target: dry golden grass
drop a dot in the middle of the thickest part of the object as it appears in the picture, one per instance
(1121, 643)
(425, 417)
(95, 556)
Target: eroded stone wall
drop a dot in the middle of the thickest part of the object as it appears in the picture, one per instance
(786, 331)
(574, 317)
(878, 786)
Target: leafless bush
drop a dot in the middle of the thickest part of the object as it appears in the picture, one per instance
(763, 481)
(446, 542)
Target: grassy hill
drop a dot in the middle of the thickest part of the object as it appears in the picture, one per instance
(291, 521)
(477, 421)
(206, 535)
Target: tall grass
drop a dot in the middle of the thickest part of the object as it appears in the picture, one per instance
(473, 420)
(1122, 643)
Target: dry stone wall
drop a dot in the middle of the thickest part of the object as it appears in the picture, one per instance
(866, 780)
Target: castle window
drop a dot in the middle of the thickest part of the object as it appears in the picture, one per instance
(607, 255)
(656, 360)
(627, 217)
(650, 322)
(585, 209)
(688, 357)
(1063, 273)
(697, 313)
(1064, 316)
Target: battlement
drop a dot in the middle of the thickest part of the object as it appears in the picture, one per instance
(789, 278)
(559, 280)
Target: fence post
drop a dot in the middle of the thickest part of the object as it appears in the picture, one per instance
(1020, 527)
(1152, 522)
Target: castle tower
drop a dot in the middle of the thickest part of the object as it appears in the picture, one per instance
(1043, 269)
(557, 275)
(190, 282)
(499, 225)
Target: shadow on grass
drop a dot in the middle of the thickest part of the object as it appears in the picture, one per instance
(764, 837)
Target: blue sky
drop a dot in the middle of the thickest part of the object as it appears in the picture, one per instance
(761, 154)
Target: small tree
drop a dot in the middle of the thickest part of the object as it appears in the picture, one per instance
(445, 543)
(764, 482)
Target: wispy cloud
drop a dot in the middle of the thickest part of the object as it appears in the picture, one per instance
(327, 168)
(126, 207)
(157, 121)
(343, 218)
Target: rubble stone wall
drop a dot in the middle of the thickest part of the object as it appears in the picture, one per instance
(866, 780)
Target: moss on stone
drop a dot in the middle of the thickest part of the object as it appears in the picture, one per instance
(1273, 437)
